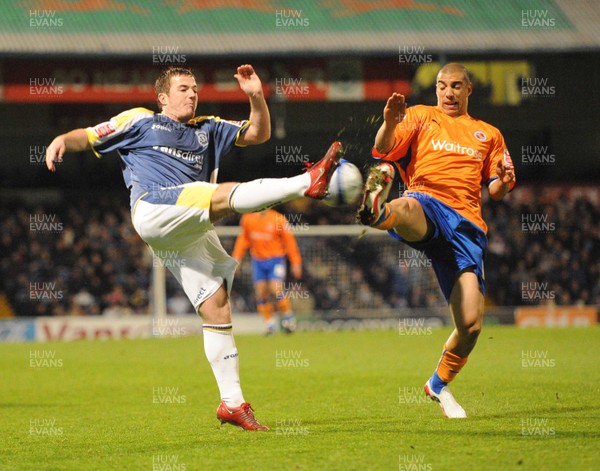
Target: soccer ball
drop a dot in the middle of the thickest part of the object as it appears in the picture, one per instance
(345, 186)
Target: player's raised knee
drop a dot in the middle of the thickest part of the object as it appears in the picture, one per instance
(411, 223)
(219, 203)
(402, 207)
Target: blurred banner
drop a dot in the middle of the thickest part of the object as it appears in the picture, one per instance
(47, 329)
(497, 82)
(556, 316)
(18, 330)
(132, 81)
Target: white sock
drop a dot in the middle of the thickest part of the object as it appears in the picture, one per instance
(256, 195)
(222, 355)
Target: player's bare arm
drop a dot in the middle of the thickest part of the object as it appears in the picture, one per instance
(296, 271)
(506, 176)
(259, 130)
(73, 141)
(393, 113)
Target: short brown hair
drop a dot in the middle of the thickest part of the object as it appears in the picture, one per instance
(163, 82)
(456, 67)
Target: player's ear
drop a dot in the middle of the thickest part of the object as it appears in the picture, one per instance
(162, 98)
(469, 88)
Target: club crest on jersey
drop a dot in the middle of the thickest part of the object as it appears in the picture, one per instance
(202, 138)
(480, 136)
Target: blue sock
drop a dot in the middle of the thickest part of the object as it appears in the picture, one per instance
(436, 383)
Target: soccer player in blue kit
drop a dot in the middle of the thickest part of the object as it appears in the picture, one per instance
(170, 162)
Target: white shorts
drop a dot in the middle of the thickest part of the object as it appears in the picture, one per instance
(175, 223)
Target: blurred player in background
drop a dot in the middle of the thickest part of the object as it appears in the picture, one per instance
(444, 157)
(270, 240)
(170, 162)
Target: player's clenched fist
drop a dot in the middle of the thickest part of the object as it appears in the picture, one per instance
(248, 80)
(395, 108)
(54, 153)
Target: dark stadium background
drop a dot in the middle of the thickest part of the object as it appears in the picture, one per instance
(564, 123)
(567, 123)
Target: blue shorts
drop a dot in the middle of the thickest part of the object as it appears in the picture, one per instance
(270, 269)
(456, 245)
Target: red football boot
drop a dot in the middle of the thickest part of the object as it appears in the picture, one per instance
(242, 416)
(321, 172)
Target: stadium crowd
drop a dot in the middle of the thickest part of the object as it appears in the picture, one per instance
(544, 246)
(84, 258)
(80, 259)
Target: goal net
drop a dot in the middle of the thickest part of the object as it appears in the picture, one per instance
(348, 272)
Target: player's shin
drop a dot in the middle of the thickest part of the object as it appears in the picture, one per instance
(222, 354)
(448, 367)
(265, 308)
(284, 305)
(264, 193)
(387, 220)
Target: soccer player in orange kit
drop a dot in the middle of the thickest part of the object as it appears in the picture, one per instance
(268, 236)
(444, 157)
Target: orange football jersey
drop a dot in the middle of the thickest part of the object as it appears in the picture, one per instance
(267, 235)
(447, 158)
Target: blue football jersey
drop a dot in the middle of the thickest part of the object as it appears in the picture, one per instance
(158, 152)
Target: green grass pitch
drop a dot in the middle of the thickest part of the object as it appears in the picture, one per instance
(333, 400)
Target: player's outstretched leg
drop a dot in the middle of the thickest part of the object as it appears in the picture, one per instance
(321, 172)
(377, 188)
(257, 195)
